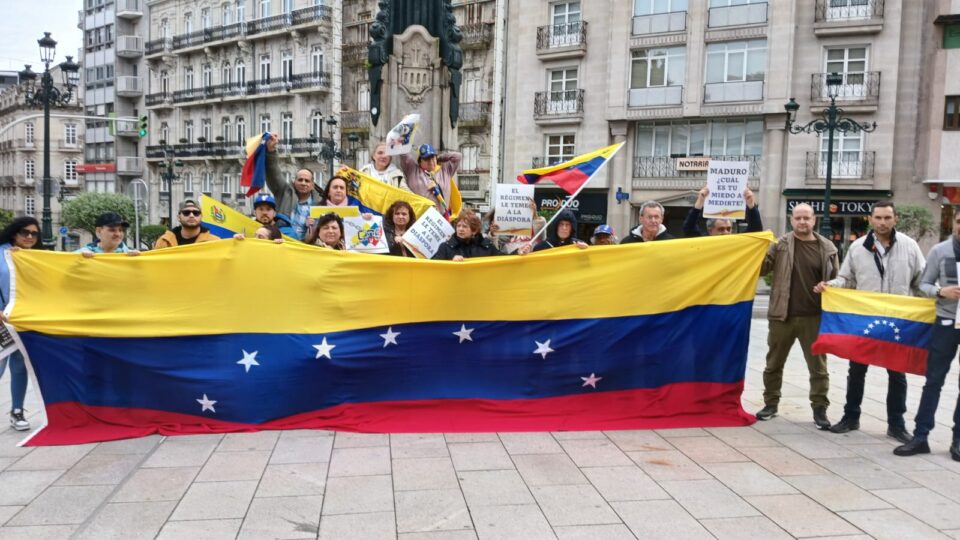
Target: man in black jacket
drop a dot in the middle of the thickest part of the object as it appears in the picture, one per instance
(651, 226)
(691, 225)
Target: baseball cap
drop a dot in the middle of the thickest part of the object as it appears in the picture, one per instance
(109, 219)
(264, 198)
(426, 151)
(189, 203)
(603, 229)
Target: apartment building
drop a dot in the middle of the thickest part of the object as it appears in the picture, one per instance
(114, 84)
(681, 78)
(218, 72)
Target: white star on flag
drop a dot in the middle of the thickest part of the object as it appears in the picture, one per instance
(592, 380)
(323, 349)
(207, 404)
(249, 359)
(896, 338)
(543, 349)
(896, 330)
(876, 321)
(867, 332)
(464, 333)
(389, 337)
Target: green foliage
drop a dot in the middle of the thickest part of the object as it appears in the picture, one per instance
(150, 233)
(6, 216)
(915, 221)
(82, 212)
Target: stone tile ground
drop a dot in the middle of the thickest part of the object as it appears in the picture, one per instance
(778, 479)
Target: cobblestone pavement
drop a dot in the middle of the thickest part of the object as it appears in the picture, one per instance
(777, 479)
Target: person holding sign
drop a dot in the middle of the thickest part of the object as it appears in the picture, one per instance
(467, 242)
(21, 233)
(327, 232)
(399, 217)
(431, 174)
(383, 169)
(715, 226)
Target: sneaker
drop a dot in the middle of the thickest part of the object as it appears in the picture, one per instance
(767, 412)
(820, 418)
(17, 420)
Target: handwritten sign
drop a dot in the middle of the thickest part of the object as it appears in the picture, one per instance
(426, 235)
(365, 235)
(512, 214)
(342, 211)
(726, 180)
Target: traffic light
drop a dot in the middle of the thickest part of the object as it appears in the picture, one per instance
(143, 126)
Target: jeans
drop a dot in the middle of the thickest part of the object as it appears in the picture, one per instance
(896, 395)
(18, 378)
(941, 352)
(780, 339)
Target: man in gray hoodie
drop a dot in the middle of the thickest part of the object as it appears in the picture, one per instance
(939, 281)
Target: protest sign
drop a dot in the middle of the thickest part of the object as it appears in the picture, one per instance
(365, 235)
(426, 235)
(400, 139)
(7, 343)
(512, 214)
(342, 211)
(726, 180)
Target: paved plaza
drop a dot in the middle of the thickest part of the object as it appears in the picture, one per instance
(778, 479)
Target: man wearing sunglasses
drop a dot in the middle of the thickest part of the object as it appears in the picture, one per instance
(190, 230)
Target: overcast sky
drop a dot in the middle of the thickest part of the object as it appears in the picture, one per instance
(23, 22)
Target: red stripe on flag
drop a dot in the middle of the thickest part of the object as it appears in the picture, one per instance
(875, 352)
(679, 405)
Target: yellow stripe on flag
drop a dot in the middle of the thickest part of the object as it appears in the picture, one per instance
(874, 304)
(378, 196)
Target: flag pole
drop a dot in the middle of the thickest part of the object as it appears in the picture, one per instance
(573, 196)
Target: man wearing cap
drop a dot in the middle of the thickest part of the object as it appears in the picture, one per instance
(603, 236)
(265, 212)
(430, 175)
(293, 199)
(190, 230)
(691, 225)
(110, 231)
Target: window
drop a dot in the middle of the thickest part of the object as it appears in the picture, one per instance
(70, 170)
(566, 13)
(286, 126)
(188, 79)
(207, 76)
(28, 133)
(226, 13)
(847, 154)
(109, 33)
(736, 61)
(471, 154)
(241, 130)
(206, 183)
(951, 36)
(187, 183)
(188, 23)
(700, 138)
(241, 11)
(265, 123)
(264, 67)
(164, 82)
(205, 130)
(560, 148)
(188, 131)
(164, 184)
(164, 29)
(563, 91)
(316, 125)
(241, 73)
(851, 63)
(650, 7)
(70, 134)
(286, 65)
(287, 6)
(230, 184)
(566, 24)
(725, 3)
(29, 169)
(363, 96)
(951, 113)
(29, 205)
(849, 9)
(165, 133)
(225, 129)
(205, 18)
(264, 8)
(226, 74)
(658, 67)
(316, 60)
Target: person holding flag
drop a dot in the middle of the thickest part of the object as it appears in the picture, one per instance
(431, 176)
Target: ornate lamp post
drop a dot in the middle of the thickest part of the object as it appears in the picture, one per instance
(44, 96)
(169, 174)
(329, 151)
(831, 122)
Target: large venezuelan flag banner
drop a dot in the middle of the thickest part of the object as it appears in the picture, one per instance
(878, 329)
(267, 336)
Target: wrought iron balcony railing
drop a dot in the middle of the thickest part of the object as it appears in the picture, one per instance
(560, 103)
(863, 86)
(562, 35)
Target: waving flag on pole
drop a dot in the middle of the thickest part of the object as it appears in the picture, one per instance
(572, 175)
(886, 330)
(254, 174)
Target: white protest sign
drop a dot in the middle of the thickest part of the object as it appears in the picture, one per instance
(426, 235)
(7, 344)
(726, 180)
(400, 139)
(365, 235)
(512, 214)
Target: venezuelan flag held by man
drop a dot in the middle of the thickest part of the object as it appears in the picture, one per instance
(254, 173)
(886, 330)
(572, 175)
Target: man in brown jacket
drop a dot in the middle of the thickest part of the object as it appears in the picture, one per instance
(190, 230)
(799, 261)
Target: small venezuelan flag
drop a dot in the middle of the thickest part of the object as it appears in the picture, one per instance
(886, 330)
(254, 174)
(572, 175)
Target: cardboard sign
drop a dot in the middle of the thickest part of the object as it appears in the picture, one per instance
(400, 139)
(426, 235)
(342, 211)
(365, 235)
(726, 180)
(513, 215)
(7, 344)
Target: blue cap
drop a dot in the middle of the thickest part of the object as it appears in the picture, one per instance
(603, 229)
(426, 151)
(264, 198)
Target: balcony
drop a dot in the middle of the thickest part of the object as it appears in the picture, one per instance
(354, 54)
(126, 128)
(310, 82)
(302, 83)
(158, 46)
(656, 96)
(129, 9)
(159, 100)
(558, 41)
(129, 86)
(733, 91)
(468, 182)
(129, 46)
(860, 92)
(130, 166)
(355, 121)
(660, 23)
(558, 107)
(851, 170)
(847, 17)
(474, 114)
(63, 146)
(249, 29)
(739, 15)
(666, 166)
(477, 35)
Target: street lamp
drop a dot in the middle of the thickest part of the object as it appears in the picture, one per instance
(44, 96)
(832, 121)
(329, 151)
(169, 174)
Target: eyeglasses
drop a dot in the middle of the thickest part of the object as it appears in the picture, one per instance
(190, 212)
(28, 234)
